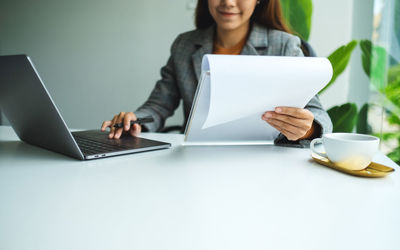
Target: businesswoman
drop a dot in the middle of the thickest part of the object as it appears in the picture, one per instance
(247, 27)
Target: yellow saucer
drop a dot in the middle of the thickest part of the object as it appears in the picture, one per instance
(373, 170)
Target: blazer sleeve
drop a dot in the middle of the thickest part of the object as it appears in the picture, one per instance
(321, 117)
(164, 98)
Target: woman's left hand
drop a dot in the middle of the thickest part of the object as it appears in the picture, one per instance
(294, 123)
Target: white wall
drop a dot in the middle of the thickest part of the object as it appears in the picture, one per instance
(331, 28)
(336, 23)
(361, 29)
(96, 57)
(101, 57)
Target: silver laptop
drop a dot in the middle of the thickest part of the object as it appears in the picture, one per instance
(35, 118)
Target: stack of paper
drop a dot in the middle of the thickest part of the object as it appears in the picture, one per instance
(234, 92)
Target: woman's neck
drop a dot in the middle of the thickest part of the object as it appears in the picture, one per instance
(229, 38)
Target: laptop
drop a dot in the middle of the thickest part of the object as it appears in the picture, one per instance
(36, 120)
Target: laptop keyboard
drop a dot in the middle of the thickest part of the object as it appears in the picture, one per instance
(90, 147)
(95, 142)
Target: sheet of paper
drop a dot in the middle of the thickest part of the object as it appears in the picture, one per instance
(246, 85)
(234, 91)
(248, 130)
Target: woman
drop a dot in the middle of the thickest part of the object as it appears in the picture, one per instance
(248, 27)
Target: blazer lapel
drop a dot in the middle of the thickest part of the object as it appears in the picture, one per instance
(204, 45)
(249, 49)
(257, 41)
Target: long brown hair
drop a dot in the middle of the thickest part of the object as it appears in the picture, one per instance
(268, 13)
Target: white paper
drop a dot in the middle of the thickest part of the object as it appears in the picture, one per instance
(234, 92)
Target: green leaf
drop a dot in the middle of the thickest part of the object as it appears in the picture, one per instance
(389, 135)
(374, 61)
(392, 92)
(339, 60)
(298, 16)
(395, 155)
(394, 74)
(378, 68)
(394, 119)
(366, 47)
(343, 117)
(362, 121)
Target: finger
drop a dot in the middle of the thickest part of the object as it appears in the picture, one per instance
(297, 122)
(286, 133)
(299, 132)
(295, 112)
(136, 129)
(127, 120)
(118, 131)
(287, 123)
(112, 130)
(105, 125)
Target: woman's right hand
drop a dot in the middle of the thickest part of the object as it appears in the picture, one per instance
(125, 119)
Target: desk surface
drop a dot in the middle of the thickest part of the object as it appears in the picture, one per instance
(221, 197)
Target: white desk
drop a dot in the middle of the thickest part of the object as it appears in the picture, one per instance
(236, 197)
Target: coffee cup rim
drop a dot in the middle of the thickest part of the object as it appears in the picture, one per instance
(332, 136)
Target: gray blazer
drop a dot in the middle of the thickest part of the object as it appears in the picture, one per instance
(180, 76)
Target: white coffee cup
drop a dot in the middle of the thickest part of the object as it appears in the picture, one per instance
(348, 150)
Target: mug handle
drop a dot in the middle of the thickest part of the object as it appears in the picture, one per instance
(317, 141)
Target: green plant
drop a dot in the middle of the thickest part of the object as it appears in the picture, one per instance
(385, 80)
(392, 92)
(298, 14)
(348, 112)
(343, 117)
(339, 60)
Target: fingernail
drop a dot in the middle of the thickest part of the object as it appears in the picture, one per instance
(268, 115)
(278, 110)
(126, 127)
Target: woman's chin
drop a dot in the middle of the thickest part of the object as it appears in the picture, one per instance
(228, 25)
